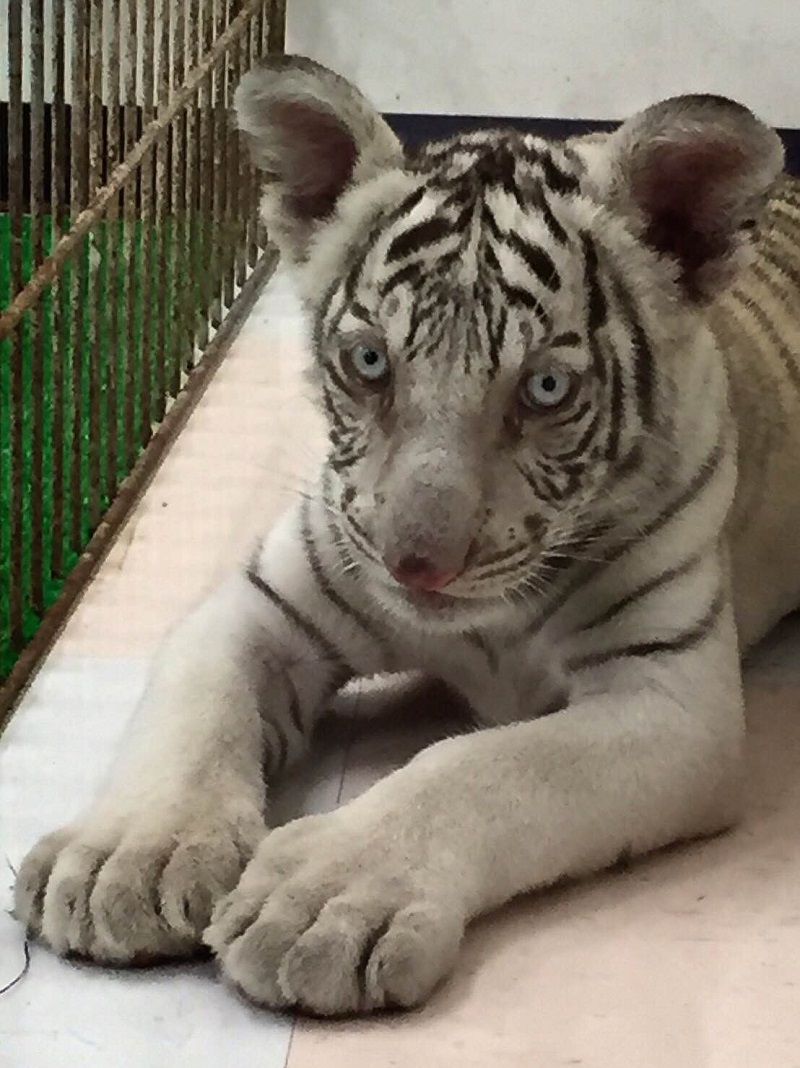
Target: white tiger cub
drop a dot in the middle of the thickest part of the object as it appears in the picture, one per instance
(531, 494)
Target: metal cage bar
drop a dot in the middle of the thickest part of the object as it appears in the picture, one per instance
(131, 251)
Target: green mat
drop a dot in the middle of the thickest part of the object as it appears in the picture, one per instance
(94, 381)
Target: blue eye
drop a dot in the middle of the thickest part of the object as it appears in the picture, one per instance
(546, 389)
(369, 363)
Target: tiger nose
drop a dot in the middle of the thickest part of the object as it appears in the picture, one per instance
(420, 573)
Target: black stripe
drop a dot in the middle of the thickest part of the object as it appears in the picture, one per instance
(653, 584)
(557, 559)
(341, 462)
(516, 296)
(573, 416)
(418, 237)
(537, 260)
(436, 324)
(580, 447)
(365, 545)
(310, 630)
(348, 388)
(699, 482)
(497, 335)
(408, 204)
(615, 411)
(678, 643)
(529, 477)
(317, 334)
(410, 272)
(569, 338)
(597, 304)
(555, 228)
(358, 309)
(557, 179)
(644, 365)
(350, 285)
(318, 571)
(339, 424)
(420, 310)
(357, 266)
(777, 257)
(762, 319)
(780, 288)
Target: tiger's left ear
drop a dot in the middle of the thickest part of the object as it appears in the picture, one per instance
(695, 172)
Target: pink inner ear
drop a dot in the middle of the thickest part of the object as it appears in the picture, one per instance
(684, 192)
(320, 155)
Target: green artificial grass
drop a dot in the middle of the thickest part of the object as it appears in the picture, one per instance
(92, 367)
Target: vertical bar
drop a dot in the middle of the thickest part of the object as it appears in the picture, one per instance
(240, 184)
(14, 343)
(164, 232)
(276, 27)
(132, 231)
(215, 263)
(227, 72)
(256, 40)
(266, 27)
(205, 33)
(36, 484)
(220, 172)
(147, 179)
(96, 269)
(115, 303)
(79, 190)
(59, 180)
(193, 133)
(178, 206)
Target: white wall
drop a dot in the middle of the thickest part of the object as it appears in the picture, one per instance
(591, 59)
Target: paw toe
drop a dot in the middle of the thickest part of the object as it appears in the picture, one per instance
(231, 918)
(197, 875)
(66, 917)
(412, 957)
(126, 908)
(33, 877)
(252, 960)
(323, 971)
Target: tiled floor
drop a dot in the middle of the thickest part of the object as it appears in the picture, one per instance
(691, 959)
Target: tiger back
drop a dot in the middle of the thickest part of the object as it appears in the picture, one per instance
(757, 324)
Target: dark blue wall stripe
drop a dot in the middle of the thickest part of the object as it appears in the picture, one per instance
(412, 129)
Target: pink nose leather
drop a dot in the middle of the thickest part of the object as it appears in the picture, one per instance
(418, 573)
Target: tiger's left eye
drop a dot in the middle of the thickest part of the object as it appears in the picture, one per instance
(369, 363)
(546, 389)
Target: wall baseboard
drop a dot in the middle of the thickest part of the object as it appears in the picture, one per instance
(415, 128)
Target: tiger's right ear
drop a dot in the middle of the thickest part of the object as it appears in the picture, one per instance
(314, 136)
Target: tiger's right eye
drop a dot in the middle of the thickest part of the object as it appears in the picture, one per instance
(369, 364)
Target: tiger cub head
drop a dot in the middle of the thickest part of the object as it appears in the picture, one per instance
(508, 332)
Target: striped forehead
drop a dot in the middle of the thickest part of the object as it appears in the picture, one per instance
(447, 250)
